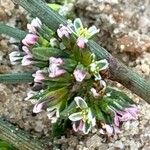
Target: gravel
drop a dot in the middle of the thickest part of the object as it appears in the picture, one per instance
(125, 27)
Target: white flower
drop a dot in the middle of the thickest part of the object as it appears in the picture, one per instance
(63, 31)
(38, 107)
(15, 57)
(82, 120)
(79, 75)
(54, 112)
(97, 66)
(35, 24)
(82, 33)
(54, 70)
(30, 95)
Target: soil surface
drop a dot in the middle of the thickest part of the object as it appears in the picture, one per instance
(125, 32)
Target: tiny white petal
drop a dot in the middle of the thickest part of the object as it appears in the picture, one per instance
(77, 24)
(85, 129)
(76, 116)
(80, 102)
(105, 63)
(93, 30)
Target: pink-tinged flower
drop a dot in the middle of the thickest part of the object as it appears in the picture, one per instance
(54, 70)
(109, 130)
(79, 75)
(116, 120)
(83, 120)
(127, 114)
(78, 125)
(15, 57)
(94, 92)
(54, 112)
(63, 31)
(38, 76)
(133, 110)
(26, 50)
(30, 94)
(38, 107)
(57, 61)
(36, 23)
(31, 29)
(81, 42)
(30, 39)
(27, 60)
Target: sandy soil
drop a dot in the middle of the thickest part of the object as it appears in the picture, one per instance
(125, 32)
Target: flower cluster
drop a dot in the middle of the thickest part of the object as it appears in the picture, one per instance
(82, 34)
(68, 78)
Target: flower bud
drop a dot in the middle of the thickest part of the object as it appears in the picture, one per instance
(30, 39)
(15, 57)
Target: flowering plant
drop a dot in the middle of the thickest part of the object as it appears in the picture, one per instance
(69, 81)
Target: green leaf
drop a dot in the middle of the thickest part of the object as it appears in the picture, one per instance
(98, 113)
(16, 78)
(12, 32)
(65, 78)
(69, 109)
(44, 53)
(85, 58)
(69, 65)
(119, 96)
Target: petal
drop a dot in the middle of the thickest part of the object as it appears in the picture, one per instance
(127, 116)
(81, 43)
(93, 30)
(77, 24)
(59, 33)
(101, 131)
(77, 125)
(93, 122)
(103, 64)
(54, 119)
(71, 28)
(76, 116)
(116, 120)
(51, 114)
(86, 128)
(94, 92)
(90, 117)
(51, 108)
(30, 94)
(38, 107)
(79, 75)
(80, 102)
(109, 130)
(133, 111)
(116, 130)
(26, 50)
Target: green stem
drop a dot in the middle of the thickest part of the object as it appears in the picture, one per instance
(18, 138)
(16, 78)
(12, 32)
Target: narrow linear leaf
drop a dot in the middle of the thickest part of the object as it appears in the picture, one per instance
(44, 12)
(16, 78)
(20, 139)
(12, 32)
